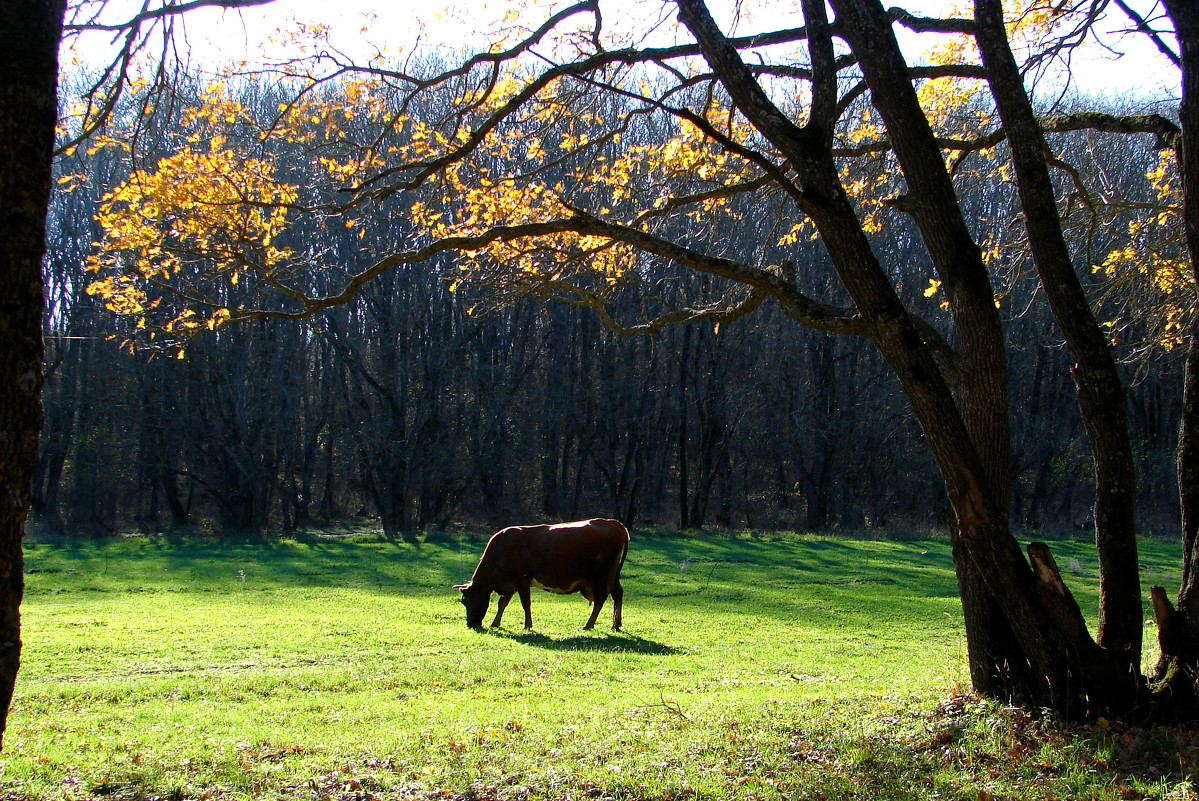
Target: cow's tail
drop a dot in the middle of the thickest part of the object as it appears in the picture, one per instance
(618, 602)
(624, 553)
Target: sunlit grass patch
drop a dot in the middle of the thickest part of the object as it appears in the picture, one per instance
(787, 667)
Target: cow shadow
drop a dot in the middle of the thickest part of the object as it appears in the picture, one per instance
(614, 643)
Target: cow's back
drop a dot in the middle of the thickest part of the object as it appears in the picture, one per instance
(565, 540)
(560, 554)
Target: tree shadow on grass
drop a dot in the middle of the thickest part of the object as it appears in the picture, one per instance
(613, 643)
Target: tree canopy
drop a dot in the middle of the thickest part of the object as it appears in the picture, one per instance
(551, 179)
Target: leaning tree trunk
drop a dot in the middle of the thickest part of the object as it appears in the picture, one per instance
(1178, 630)
(997, 666)
(979, 382)
(1186, 23)
(1100, 392)
(1054, 652)
(30, 31)
(1177, 676)
(964, 426)
(1188, 475)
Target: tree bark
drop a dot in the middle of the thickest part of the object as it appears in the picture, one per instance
(1178, 631)
(998, 668)
(30, 31)
(980, 390)
(1186, 24)
(1100, 391)
(681, 405)
(1188, 476)
(1073, 675)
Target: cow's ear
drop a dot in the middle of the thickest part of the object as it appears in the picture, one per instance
(462, 587)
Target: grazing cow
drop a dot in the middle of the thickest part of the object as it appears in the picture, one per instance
(583, 557)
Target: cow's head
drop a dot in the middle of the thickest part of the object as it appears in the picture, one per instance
(475, 599)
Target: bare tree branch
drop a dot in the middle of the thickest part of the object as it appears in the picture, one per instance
(169, 9)
(1154, 36)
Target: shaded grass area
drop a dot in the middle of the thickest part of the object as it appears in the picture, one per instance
(749, 667)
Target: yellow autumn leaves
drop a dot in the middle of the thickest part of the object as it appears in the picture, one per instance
(1153, 263)
(201, 208)
(556, 153)
(484, 152)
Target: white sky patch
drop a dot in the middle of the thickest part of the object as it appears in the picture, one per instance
(365, 30)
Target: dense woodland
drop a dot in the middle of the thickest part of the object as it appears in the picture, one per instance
(421, 406)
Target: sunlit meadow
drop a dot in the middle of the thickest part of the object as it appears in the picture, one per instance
(750, 666)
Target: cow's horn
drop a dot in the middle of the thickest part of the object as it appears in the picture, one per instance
(465, 586)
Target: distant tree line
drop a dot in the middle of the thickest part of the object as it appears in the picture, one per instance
(421, 405)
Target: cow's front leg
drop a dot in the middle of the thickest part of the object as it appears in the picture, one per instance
(499, 610)
(526, 601)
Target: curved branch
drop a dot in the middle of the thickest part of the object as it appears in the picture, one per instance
(1167, 134)
(169, 9)
(732, 306)
(795, 304)
(930, 24)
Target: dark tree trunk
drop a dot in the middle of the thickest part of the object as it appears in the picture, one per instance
(681, 403)
(59, 430)
(30, 31)
(169, 484)
(959, 398)
(816, 466)
(1100, 391)
(998, 665)
(1188, 475)
(1186, 24)
(1178, 631)
(990, 642)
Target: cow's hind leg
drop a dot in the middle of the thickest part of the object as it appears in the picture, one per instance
(600, 597)
(499, 610)
(617, 603)
(526, 601)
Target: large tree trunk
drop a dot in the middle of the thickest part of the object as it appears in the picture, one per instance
(1177, 676)
(30, 31)
(997, 666)
(1100, 392)
(1178, 632)
(1050, 654)
(979, 385)
(959, 398)
(1188, 476)
(993, 579)
(1186, 24)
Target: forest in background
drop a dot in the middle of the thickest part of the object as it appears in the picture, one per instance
(423, 405)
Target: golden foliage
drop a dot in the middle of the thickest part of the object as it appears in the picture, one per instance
(208, 206)
(1153, 262)
(504, 145)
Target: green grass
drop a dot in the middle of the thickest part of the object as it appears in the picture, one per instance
(749, 667)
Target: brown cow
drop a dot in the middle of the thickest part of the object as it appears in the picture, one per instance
(584, 557)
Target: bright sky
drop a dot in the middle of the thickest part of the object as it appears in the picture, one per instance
(362, 27)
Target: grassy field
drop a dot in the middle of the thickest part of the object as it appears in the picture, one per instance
(748, 668)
